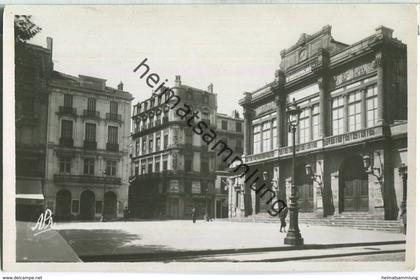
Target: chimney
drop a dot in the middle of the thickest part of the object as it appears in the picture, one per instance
(210, 88)
(121, 86)
(177, 80)
(387, 32)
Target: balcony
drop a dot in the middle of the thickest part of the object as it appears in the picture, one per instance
(320, 144)
(113, 117)
(111, 147)
(89, 145)
(62, 178)
(69, 111)
(91, 114)
(66, 142)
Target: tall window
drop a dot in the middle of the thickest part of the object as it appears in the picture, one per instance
(68, 100)
(165, 141)
(65, 165)
(90, 132)
(315, 122)
(113, 108)
(157, 164)
(371, 106)
(338, 115)
(137, 146)
(224, 125)
(89, 166)
(143, 166)
(150, 144)
(304, 126)
(355, 112)
(204, 167)
(274, 129)
(111, 167)
(165, 162)
(91, 104)
(266, 137)
(188, 165)
(66, 129)
(257, 141)
(149, 165)
(143, 145)
(238, 127)
(113, 134)
(158, 142)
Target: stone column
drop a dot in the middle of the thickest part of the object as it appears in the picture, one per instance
(379, 64)
(322, 107)
(335, 189)
(247, 131)
(318, 187)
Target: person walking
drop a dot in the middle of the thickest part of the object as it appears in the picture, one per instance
(283, 214)
(193, 214)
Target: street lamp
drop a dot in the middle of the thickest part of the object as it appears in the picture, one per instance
(293, 236)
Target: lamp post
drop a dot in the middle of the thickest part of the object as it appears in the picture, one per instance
(103, 204)
(293, 236)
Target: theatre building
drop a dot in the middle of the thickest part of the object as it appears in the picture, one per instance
(87, 149)
(173, 169)
(352, 130)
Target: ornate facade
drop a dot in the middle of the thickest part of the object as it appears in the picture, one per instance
(352, 130)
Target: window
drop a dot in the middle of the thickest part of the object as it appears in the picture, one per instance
(165, 141)
(315, 122)
(266, 137)
(90, 132)
(98, 207)
(91, 104)
(137, 146)
(143, 146)
(113, 134)
(143, 167)
(165, 163)
(224, 125)
(150, 144)
(136, 168)
(204, 167)
(66, 129)
(149, 165)
(75, 206)
(113, 108)
(158, 143)
(238, 127)
(371, 106)
(68, 101)
(111, 167)
(274, 129)
(304, 126)
(188, 166)
(337, 115)
(355, 114)
(89, 166)
(157, 164)
(65, 165)
(257, 141)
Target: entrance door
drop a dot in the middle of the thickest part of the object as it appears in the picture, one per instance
(305, 190)
(218, 209)
(173, 208)
(87, 205)
(354, 185)
(63, 204)
(110, 210)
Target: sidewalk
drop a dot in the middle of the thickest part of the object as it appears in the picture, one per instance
(160, 237)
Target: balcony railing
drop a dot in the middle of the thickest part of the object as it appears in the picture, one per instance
(91, 114)
(113, 117)
(64, 110)
(89, 145)
(112, 147)
(327, 142)
(63, 178)
(66, 142)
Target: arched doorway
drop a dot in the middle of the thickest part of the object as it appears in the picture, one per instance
(305, 190)
(110, 201)
(63, 205)
(353, 183)
(87, 205)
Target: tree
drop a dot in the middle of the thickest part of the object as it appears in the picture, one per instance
(25, 29)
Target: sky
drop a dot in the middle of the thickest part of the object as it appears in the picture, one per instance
(235, 47)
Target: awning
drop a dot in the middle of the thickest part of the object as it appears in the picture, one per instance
(29, 191)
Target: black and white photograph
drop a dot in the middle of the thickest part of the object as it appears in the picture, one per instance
(209, 138)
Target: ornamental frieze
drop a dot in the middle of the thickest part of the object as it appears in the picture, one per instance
(355, 72)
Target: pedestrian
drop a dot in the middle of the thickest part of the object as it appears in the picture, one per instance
(283, 214)
(193, 214)
(126, 213)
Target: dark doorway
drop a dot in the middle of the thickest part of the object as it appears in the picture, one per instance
(87, 205)
(63, 205)
(110, 201)
(305, 190)
(354, 190)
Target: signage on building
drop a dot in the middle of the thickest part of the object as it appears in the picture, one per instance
(265, 108)
(196, 187)
(354, 73)
(298, 74)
